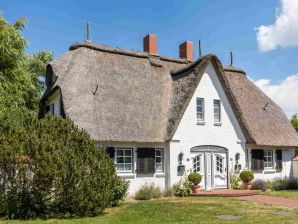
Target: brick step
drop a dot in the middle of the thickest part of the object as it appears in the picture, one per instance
(227, 193)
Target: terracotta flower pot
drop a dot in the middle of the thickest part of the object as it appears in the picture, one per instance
(196, 189)
(247, 185)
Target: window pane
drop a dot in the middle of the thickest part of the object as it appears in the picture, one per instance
(216, 110)
(158, 159)
(120, 160)
(159, 167)
(196, 164)
(127, 159)
(268, 158)
(120, 167)
(127, 167)
(158, 152)
(200, 109)
(128, 152)
(119, 152)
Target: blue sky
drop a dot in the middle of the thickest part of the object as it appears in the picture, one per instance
(222, 26)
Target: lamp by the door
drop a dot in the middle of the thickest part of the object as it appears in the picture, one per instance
(181, 167)
(237, 165)
(180, 158)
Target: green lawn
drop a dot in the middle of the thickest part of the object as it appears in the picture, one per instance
(284, 193)
(186, 210)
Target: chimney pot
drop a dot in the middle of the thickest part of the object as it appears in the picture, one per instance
(186, 50)
(150, 44)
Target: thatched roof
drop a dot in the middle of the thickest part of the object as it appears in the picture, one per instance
(131, 96)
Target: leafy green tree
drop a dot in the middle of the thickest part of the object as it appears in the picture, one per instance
(21, 75)
(50, 167)
(294, 121)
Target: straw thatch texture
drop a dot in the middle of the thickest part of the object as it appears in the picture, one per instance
(264, 119)
(128, 96)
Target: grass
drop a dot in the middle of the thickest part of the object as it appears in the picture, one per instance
(185, 210)
(283, 193)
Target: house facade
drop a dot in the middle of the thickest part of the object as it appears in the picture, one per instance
(160, 118)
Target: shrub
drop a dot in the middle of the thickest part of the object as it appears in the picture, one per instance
(120, 190)
(246, 176)
(182, 189)
(195, 178)
(284, 184)
(260, 185)
(168, 192)
(147, 192)
(50, 167)
(235, 182)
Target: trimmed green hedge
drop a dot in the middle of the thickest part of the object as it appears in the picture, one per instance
(50, 167)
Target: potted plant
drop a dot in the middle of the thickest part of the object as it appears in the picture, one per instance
(195, 179)
(246, 176)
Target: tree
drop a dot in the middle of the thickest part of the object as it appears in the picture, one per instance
(51, 167)
(21, 75)
(294, 121)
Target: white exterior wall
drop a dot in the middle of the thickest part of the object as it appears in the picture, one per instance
(190, 134)
(295, 169)
(136, 181)
(271, 174)
(55, 99)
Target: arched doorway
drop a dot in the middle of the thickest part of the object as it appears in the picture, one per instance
(212, 163)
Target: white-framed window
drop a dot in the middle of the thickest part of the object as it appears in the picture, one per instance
(123, 158)
(159, 160)
(219, 164)
(51, 109)
(196, 163)
(268, 159)
(200, 109)
(216, 106)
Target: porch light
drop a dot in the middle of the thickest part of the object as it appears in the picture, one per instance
(237, 157)
(180, 157)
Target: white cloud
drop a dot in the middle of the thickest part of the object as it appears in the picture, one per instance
(285, 94)
(284, 31)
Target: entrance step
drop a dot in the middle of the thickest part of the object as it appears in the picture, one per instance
(227, 193)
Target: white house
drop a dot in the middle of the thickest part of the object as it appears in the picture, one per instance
(161, 118)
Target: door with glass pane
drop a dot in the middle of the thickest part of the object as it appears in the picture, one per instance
(220, 170)
(198, 167)
(213, 168)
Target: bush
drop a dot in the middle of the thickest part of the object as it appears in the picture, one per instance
(182, 189)
(284, 184)
(195, 178)
(246, 176)
(168, 192)
(50, 167)
(120, 190)
(147, 192)
(260, 185)
(235, 182)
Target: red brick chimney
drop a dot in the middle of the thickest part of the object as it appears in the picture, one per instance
(186, 50)
(150, 44)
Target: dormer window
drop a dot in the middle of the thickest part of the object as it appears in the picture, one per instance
(50, 109)
(200, 110)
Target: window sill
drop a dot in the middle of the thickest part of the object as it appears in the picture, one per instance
(126, 175)
(217, 123)
(160, 175)
(201, 122)
(269, 171)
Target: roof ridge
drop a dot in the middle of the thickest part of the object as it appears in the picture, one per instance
(117, 50)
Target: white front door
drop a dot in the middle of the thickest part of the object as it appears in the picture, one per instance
(220, 170)
(213, 168)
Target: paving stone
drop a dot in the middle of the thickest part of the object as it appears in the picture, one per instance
(227, 217)
(285, 213)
